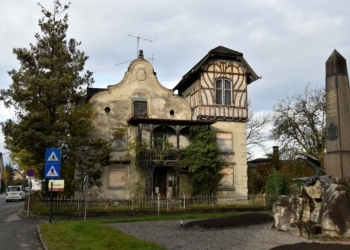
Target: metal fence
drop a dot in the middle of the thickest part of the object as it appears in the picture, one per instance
(77, 204)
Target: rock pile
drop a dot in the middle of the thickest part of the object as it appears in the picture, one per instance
(315, 211)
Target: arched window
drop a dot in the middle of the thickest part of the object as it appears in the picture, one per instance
(223, 92)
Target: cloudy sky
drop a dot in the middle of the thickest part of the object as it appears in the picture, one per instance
(286, 42)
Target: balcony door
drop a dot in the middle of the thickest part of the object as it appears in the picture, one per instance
(158, 140)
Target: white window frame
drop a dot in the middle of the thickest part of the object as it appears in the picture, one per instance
(223, 90)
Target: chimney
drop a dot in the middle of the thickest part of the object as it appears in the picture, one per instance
(275, 153)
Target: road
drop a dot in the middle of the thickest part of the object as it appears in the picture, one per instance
(4, 206)
(16, 232)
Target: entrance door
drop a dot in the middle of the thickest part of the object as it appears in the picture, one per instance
(159, 180)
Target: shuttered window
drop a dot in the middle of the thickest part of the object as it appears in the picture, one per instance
(140, 109)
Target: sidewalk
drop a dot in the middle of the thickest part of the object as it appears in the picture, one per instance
(19, 233)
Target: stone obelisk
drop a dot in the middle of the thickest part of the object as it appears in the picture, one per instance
(337, 158)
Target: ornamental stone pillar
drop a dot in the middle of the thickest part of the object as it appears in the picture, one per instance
(337, 158)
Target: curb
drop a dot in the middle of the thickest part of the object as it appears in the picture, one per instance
(41, 239)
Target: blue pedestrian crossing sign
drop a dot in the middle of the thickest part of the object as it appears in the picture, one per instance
(52, 170)
(53, 155)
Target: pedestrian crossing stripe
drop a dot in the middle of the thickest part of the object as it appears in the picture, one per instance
(52, 172)
(52, 157)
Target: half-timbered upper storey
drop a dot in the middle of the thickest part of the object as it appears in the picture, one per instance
(216, 87)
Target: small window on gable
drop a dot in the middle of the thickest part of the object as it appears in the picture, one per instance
(223, 92)
(140, 108)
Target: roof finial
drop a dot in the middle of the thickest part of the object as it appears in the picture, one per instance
(140, 54)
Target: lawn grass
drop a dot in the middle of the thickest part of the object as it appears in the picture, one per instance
(95, 234)
(85, 235)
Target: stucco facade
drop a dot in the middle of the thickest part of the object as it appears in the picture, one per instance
(146, 110)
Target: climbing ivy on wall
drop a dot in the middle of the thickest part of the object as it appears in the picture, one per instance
(201, 159)
(119, 132)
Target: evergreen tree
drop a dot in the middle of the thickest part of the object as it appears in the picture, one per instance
(275, 185)
(201, 158)
(44, 93)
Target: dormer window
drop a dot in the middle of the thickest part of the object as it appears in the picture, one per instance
(223, 92)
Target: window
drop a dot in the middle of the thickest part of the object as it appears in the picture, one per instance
(118, 143)
(223, 92)
(158, 140)
(117, 178)
(226, 183)
(140, 108)
(224, 141)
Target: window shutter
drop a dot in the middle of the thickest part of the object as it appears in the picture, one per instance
(140, 109)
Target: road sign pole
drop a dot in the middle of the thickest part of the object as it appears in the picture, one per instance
(52, 170)
(30, 181)
(50, 215)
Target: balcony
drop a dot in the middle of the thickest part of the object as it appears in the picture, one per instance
(150, 157)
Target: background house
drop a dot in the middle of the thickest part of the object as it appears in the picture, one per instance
(213, 92)
(260, 169)
(17, 175)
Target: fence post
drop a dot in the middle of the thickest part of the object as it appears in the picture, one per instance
(158, 202)
(184, 201)
(85, 189)
(132, 202)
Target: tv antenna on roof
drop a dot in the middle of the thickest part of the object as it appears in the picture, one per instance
(138, 41)
(123, 62)
(151, 58)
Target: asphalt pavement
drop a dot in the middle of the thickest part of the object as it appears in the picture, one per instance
(17, 233)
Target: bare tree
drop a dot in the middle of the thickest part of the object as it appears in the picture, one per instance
(257, 130)
(299, 123)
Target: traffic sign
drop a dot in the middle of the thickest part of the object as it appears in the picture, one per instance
(52, 170)
(53, 155)
(57, 185)
(30, 172)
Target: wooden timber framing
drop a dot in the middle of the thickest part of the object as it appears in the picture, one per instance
(199, 90)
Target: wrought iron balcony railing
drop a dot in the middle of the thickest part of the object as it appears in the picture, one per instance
(156, 158)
